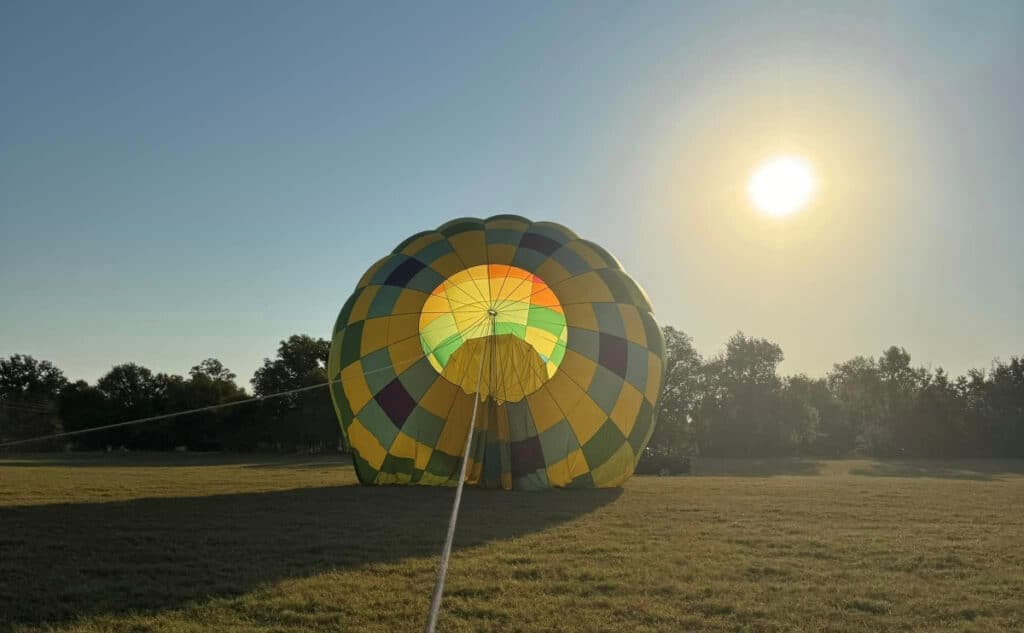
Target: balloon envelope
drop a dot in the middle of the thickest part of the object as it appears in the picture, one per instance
(556, 341)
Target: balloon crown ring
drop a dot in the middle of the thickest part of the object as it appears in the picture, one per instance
(499, 314)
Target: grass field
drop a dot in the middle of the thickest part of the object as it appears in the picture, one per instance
(209, 543)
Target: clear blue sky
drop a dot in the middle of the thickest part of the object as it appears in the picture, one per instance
(181, 180)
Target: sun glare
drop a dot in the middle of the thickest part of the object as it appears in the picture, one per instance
(781, 185)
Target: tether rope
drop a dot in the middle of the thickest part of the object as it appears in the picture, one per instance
(165, 416)
(442, 566)
(162, 416)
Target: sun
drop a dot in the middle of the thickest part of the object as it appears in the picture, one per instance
(782, 185)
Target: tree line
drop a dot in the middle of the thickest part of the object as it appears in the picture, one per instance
(735, 404)
(36, 399)
(731, 404)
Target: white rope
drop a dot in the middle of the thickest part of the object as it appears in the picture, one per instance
(211, 407)
(442, 567)
(162, 416)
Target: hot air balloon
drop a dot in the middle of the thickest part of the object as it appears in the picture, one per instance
(556, 341)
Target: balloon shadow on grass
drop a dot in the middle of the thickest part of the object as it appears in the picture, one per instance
(63, 562)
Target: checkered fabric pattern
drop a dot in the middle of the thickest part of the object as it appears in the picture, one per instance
(597, 357)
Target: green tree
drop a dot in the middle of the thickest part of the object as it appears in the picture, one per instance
(132, 388)
(900, 383)
(935, 426)
(816, 420)
(857, 386)
(83, 406)
(213, 370)
(994, 407)
(304, 420)
(209, 383)
(29, 395)
(742, 412)
(679, 395)
(132, 392)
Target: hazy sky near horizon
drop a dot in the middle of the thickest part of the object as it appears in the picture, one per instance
(180, 180)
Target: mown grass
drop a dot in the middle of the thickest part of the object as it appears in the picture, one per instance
(210, 543)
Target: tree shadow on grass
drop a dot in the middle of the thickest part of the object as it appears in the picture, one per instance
(973, 470)
(768, 467)
(66, 561)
